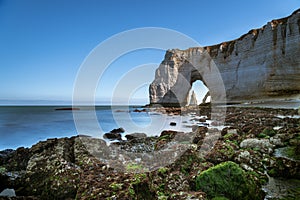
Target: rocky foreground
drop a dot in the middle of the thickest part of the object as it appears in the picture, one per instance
(257, 145)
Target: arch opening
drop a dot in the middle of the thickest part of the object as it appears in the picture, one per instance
(198, 93)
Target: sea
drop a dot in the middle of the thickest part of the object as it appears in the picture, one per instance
(24, 126)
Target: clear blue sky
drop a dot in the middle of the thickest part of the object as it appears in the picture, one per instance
(44, 42)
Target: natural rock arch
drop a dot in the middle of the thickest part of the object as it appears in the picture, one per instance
(263, 64)
(176, 74)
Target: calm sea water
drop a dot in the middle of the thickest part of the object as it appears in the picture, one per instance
(27, 125)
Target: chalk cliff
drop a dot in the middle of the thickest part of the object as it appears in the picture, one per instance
(193, 99)
(263, 64)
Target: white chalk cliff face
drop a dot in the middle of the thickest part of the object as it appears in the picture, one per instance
(263, 64)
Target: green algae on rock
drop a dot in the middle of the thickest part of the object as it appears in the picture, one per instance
(229, 180)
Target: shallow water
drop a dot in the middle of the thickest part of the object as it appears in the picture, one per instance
(282, 188)
(284, 152)
(27, 125)
(286, 104)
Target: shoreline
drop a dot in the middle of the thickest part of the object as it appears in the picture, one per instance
(200, 111)
(248, 144)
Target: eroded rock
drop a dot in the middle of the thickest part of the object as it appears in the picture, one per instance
(262, 145)
(229, 180)
(135, 136)
(283, 167)
(252, 67)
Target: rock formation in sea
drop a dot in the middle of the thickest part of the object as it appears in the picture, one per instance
(263, 64)
(193, 99)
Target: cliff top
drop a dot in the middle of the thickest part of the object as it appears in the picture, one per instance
(229, 45)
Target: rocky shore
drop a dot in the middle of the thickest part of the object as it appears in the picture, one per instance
(258, 148)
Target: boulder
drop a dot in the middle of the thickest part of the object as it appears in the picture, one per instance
(165, 137)
(200, 132)
(118, 130)
(262, 145)
(51, 172)
(112, 136)
(168, 134)
(135, 136)
(8, 193)
(276, 141)
(229, 180)
(136, 145)
(250, 158)
(138, 111)
(221, 152)
(172, 123)
(202, 119)
(284, 167)
(15, 160)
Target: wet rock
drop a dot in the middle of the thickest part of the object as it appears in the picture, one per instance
(200, 129)
(66, 168)
(135, 136)
(281, 138)
(168, 134)
(51, 172)
(283, 167)
(8, 193)
(175, 182)
(165, 137)
(112, 136)
(289, 152)
(200, 132)
(190, 163)
(282, 189)
(244, 157)
(172, 123)
(262, 145)
(182, 195)
(5, 153)
(143, 191)
(229, 180)
(202, 120)
(232, 135)
(276, 141)
(118, 130)
(15, 160)
(138, 145)
(87, 147)
(232, 130)
(137, 110)
(250, 158)
(221, 152)
(214, 123)
(104, 183)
